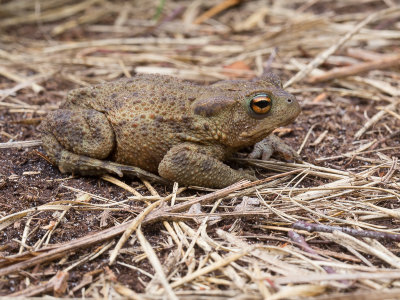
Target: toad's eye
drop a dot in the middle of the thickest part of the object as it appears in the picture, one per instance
(260, 104)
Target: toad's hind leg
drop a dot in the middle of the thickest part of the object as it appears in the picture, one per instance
(77, 141)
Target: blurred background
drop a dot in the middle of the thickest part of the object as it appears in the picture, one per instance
(82, 42)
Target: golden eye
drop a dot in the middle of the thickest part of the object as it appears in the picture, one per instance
(260, 104)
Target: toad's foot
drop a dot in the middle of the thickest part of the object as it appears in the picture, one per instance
(271, 144)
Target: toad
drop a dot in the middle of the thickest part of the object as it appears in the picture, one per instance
(180, 130)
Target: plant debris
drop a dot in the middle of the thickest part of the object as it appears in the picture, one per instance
(325, 228)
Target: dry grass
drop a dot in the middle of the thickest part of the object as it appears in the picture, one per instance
(250, 240)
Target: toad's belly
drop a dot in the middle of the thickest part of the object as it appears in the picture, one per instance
(143, 140)
(143, 149)
(139, 156)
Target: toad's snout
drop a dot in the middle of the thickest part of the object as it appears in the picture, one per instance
(293, 108)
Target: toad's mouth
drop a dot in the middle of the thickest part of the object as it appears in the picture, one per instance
(289, 121)
(254, 135)
(260, 133)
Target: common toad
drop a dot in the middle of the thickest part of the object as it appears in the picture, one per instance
(161, 124)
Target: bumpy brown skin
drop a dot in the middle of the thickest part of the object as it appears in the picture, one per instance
(161, 124)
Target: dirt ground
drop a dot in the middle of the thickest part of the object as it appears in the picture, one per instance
(240, 244)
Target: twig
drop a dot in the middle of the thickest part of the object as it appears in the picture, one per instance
(299, 239)
(379, 115)
(386, 62)
(22, 144)
(127, 41)
(49, 15)
(132, 227)
(363, 54)
(306, 139)
(214, 266)
(20, 79)
(353, 232)
(155, 262)
(330, 277)
(215, 10)
(318, 60)
(58, 284)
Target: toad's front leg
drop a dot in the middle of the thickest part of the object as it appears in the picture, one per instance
(190, 164)
(271, 144)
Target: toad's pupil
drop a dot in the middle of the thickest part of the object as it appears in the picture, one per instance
(262, 103)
